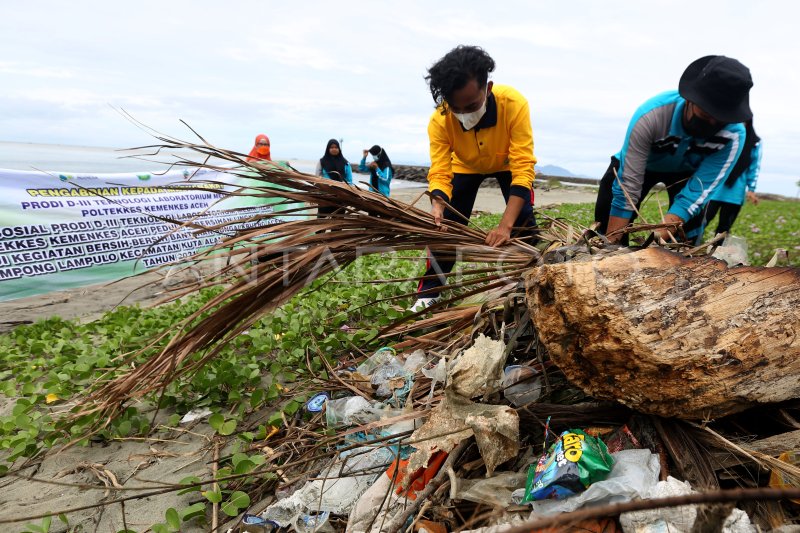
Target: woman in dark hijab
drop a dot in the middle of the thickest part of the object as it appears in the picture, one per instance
(380, 169)
(333, 165)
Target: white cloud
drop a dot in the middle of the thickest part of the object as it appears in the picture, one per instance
(304, 72)
(33, 70)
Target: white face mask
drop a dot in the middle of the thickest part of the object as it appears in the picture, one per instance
(375, 157)
(470, 120)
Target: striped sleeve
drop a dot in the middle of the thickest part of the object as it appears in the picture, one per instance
(711, 173)
(642, 131)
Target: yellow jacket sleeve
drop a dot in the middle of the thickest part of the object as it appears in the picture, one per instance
(440, 175)
(520, 152)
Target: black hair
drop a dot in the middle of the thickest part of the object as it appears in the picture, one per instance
(382, 158)
(452, 72)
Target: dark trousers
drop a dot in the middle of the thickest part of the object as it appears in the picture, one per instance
(465, 190)
(727, 215)
(673, 182)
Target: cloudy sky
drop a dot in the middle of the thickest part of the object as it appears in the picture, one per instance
(305, 71)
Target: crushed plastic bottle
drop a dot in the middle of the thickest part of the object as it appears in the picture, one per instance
(343, 410)
(384, 356)
(733, 251)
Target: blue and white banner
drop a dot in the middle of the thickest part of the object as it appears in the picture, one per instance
(64, 230)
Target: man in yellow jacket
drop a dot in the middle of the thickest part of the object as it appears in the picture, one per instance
(478, 130)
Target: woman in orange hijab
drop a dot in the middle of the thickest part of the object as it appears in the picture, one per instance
(261, 149)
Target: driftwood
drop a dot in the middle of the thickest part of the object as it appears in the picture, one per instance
(671, 336)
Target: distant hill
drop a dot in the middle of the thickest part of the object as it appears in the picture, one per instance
(555, 170)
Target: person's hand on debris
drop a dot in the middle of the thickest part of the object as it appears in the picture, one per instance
(502, 233)
(752, 197)
(615, 225)
(499, 235)
(437, 210)
(666, 233)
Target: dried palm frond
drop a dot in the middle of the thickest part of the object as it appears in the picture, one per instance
(266, 263)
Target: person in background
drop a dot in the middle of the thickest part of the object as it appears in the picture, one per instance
(260, 151)
(380, 169)
(688, 139)
(333, 165)
(741, 184)
(478, 130)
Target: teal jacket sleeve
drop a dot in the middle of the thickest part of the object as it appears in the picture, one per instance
(711, 173)
(362, 166)
(348, 173)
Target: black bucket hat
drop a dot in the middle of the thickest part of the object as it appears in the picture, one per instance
(720, 86)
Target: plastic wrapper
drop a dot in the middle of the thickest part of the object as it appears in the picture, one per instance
(779, 480)
(392, 382)
(622, 439)
(574, 462)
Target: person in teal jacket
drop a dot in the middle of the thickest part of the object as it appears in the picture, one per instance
(334, 166)
(380, 169)
(688, 139)
(729, 198)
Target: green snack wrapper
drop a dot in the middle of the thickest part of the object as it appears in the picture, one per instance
(574, 461)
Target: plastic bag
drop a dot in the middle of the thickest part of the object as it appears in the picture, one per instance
(415, 361)
(733, 251)
(634, 475)
(495, 491)
(676, 519)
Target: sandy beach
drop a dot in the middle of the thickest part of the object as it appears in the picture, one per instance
(490, 200)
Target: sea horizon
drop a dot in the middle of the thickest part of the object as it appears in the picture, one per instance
(77, 159)
(56, 157)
